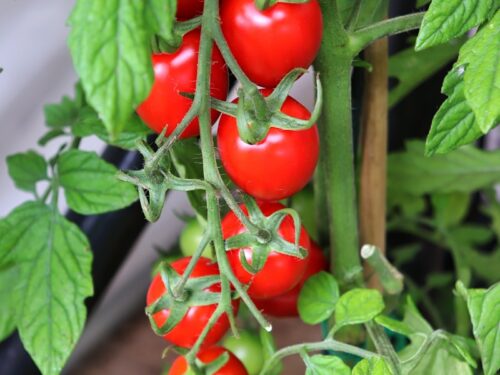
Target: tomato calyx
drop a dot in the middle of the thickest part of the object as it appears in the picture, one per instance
(266, 239)
(211, 367)
(155, 179)
(256, 113)
(194, 293)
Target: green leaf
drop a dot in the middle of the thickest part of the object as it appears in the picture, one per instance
(50, 135)
(54, 262)
(318, 298)
(358, 306)
(187, 160)
(432, 356)
(90, 184)
(481, 54)
(372, 366)
(421, 3)
(451, 208)
(463, 170)
(61, 114)
(161, 17)
(88, 124)
(409, 204)
(411, 67)
(26, 169)
(326, 365)
(429, 351)
(438, 280)
(8, 278)
(448, 19)
(109, 43)
(370, 11)
(484, 310)
(453, 125)
(394, 325)
(472, 234)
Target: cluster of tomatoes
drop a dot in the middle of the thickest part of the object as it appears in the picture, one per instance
(267, 45)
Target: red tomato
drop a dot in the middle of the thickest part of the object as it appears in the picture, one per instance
(286, 304)
(189, 328)
(276, 167)
(232, 367)
(187, 9)
(268, 44)
(175, 73)
(281, 272)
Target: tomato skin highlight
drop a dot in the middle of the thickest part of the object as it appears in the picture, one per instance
(175, 73)
(189, 328)
(281, 272)
(187, 9)
(285, 305)
(232, 367)
(268, 44)
(276, 167)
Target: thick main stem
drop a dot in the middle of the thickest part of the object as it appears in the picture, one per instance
(335, 124)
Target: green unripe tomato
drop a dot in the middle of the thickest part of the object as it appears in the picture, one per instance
(248, 349)
(303, 203)
(190, 238)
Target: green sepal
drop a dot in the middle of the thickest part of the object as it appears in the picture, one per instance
(194, 294)
(267, 238)
(276, 99)
(215, 365)
(155, 179)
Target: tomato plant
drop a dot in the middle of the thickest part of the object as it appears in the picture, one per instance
(286, 304)
(188, 329)
(248, 348)
(232, 367)
(411, 226)
(276, 167)
(175, 73)
(191, 237)
(265, 43)
(281, 272)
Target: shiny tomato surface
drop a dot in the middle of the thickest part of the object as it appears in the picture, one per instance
(281, 272)
(175, 73)
(276, 167)
(189, 328)
(232, 367)
(285, 305)
(268, 44)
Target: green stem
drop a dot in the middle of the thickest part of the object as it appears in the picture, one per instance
(327, 344)
(462, 272)
(363, 37)
(335, 125)
(210, 168)
(384, 346)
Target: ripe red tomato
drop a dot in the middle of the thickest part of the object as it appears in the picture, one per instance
(276, 167)
(268, 44)
(176, 73)
(285, 305)
(189, 328)
(187, 9)
(232, 367)
(281, 272)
